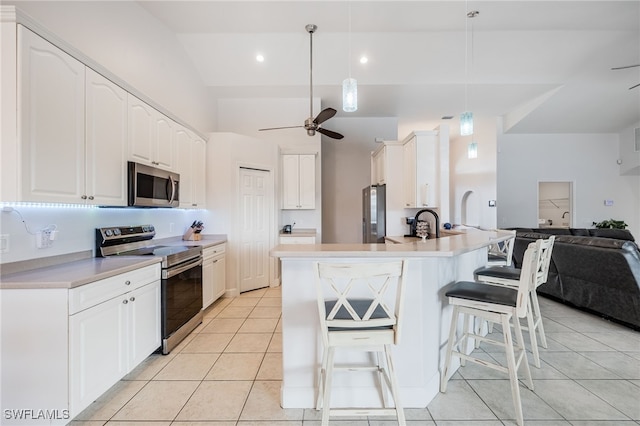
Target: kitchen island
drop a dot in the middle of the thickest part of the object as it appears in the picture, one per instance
(432, 265)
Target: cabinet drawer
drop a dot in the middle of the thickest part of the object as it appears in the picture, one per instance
(214, 251)
(86, 296)
(297, 240)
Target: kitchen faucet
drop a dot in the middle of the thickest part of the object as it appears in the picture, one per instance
(415, 221)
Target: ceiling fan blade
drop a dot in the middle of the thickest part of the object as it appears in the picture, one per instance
(625, 67)
(278, 128)
(633, 87)
(324, 115)
(329, 133)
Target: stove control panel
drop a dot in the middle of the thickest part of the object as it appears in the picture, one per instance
(123, 234)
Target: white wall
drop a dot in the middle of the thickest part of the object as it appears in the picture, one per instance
(587, 160)
(77, 225)
(226, 153)
(246, 116)
(122, 38)
(629, 157)
(346, 170)
(475, 177)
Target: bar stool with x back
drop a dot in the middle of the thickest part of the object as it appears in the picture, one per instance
(504, 305)
(509, 276)
(361, 308)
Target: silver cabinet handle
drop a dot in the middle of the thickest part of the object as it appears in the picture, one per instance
(127, 282)
(132, 298)
(91, 197)
(125, 301)
(84, 197)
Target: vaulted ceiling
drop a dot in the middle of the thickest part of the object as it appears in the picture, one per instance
(545, 66)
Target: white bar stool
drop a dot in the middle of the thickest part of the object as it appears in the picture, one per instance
(509, 277)
(504, 305)
(500, 253)
(360, 307)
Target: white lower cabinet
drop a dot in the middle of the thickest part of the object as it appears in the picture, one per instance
(108, 340)
(213, 274)
(63, 348)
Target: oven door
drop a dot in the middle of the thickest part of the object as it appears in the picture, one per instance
(181, 295)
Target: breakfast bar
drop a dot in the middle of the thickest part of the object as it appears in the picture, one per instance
(432, 265)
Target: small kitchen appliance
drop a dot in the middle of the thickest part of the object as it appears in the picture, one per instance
(181, 285)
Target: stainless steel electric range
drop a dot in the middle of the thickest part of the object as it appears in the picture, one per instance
(181, 295)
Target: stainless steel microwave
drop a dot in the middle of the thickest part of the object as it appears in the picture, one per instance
(152, 187)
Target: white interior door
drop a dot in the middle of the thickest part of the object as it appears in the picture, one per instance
(255, 209)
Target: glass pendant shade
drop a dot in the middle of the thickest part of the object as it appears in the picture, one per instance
(472, 150)
(466, 123)
(349, 95)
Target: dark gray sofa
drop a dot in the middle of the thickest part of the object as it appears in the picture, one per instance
(597, 270)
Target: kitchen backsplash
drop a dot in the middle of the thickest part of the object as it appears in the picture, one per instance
(75, 227)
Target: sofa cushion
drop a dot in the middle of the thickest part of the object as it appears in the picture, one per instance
(553, 231)
(583, 232)
(620, 234)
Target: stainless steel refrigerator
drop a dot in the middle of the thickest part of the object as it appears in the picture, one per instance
(374, 214)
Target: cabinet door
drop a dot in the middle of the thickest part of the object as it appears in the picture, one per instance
(98, 350)
(163, 142)
(184, 150)
(51, 121)
(199, 173)
(141, 127)
(144, 322)
(290, 182)
(106, 141)
(307, 185)
(219, 277)
(409, 173)
(208, 282)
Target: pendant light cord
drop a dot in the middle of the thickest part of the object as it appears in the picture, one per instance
(466, 55)
(349, 40)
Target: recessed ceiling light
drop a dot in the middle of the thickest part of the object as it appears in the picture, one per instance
(259, 58)
(364, 59)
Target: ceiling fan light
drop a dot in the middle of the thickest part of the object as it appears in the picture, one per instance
(466, 123)
(349, 95)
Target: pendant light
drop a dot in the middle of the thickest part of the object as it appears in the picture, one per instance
(349, 85)
(472, 150)
(466, 118)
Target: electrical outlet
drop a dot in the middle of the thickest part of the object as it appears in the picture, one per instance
(43, 239)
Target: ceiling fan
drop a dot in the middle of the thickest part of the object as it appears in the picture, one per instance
(312, 125)
(624, 68)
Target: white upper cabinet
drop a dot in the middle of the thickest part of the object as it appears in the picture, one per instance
(199, 171)
(51, 93)
(106, 141)
(379, 166)
(151, 136)
(190, 164)
(299, 181)
(426, 169)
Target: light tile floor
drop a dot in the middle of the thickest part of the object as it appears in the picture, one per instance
(228, 372)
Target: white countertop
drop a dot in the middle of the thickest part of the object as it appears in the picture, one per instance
(299, 232)
(84, 271)
(438, 247)
(77, 273)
